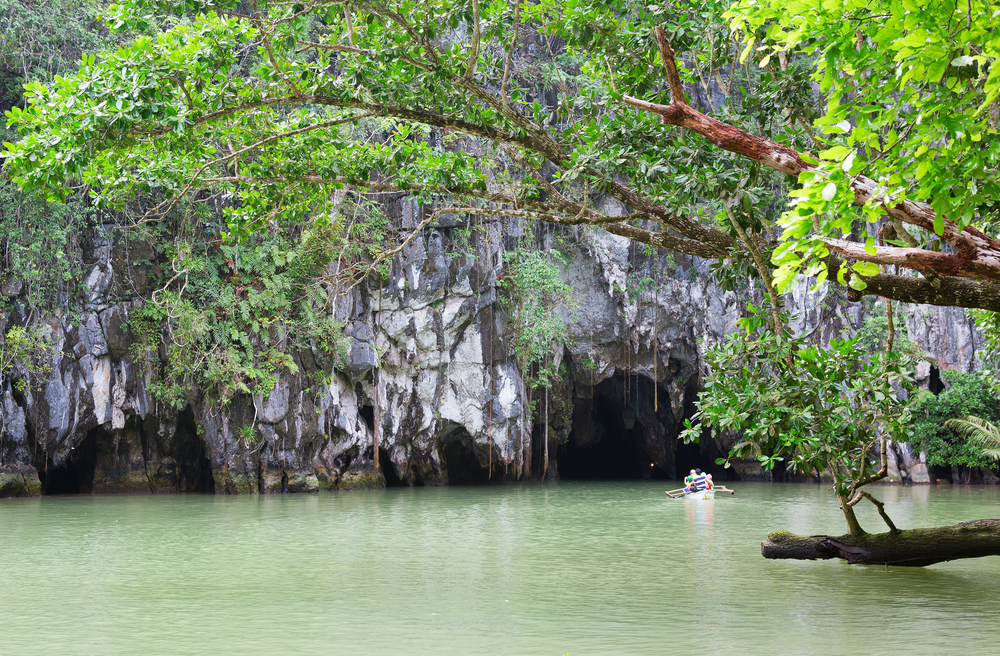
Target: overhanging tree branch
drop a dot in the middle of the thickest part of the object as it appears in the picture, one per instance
(979, 253)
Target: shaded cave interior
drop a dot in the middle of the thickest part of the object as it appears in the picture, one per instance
(183, 463)
(462, 461)
(626, 430)
(616, 432)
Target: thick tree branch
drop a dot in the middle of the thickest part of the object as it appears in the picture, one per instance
(663, 240)
(985, 267)
(510, 53)
(670, 65)
(978, 254)
(765, 274)
(907, 548)
(946, 291)
(470, 68)
(517, 207)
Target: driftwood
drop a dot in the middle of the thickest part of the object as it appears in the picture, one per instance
(917, 547)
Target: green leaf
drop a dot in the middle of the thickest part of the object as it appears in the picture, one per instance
(866, 269)
(835, 153)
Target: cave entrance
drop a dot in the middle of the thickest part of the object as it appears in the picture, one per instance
(194, 469)
(389, 474)
(367, 414)
(76, 474)
(628, 431)
(703, 456)
(934, 383)
(619, 435)
(60, 480)
(461, 460)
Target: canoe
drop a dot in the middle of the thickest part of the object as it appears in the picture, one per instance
(703, 495)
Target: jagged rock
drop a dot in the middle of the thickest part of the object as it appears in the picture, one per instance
(919, 474)
(429, 376)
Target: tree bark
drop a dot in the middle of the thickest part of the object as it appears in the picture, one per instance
(852, 520)
(910, 548)
(942, 290)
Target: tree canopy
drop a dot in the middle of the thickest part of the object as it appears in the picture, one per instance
(879, 119)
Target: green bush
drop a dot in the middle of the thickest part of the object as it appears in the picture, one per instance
(233, 315)
(967, 394)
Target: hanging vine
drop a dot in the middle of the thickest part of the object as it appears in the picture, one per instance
(531, 292)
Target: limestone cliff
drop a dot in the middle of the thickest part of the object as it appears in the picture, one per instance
(429, 380)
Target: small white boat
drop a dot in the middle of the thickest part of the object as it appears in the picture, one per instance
(702, 495)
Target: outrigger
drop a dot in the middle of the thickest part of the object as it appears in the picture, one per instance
(699, 494)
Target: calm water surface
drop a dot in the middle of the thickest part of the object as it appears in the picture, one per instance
(578, 568)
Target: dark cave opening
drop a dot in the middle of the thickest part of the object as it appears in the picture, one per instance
(392, 479)
(367, 413)
(76, 475)
(934, 382)
(60, 480)
(703, 456)
(461, 461)
(194, 469)
(940, 473)
(689, 457)
(620, 434)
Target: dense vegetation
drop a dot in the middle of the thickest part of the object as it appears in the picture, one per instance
(966, 394)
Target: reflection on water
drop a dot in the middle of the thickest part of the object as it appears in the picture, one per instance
(578, 568)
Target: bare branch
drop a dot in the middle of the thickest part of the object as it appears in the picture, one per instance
(762, 269)
(982, 267)
(470, 69)
(510, 53)
(978, 254)
(670, 64)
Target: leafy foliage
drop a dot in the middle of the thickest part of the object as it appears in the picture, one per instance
(27, 352)
(875, 330)
(533, 292)
(41, 255)
(989, 323)
(816, 409)
(966, 394)
(42, 39)
(911, 91)
(234, 316)
(983, 433)
(262, 107)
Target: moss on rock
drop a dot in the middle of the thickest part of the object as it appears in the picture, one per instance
(20, 483)
(364, 479)
(228, 481)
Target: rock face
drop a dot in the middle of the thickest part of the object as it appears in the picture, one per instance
(430, 392)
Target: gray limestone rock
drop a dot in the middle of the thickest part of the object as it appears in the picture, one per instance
(430, 377)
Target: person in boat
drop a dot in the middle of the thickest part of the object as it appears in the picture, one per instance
(709, 484)
(699, 482)
(689, 482)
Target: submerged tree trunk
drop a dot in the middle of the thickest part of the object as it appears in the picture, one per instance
(917, 547)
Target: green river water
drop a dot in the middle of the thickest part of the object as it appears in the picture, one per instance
(577, 568)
